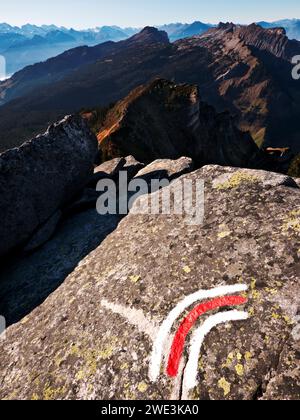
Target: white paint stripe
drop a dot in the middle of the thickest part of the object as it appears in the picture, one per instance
(165, 329)
(191, 370)
(134, 317)
(177, 386)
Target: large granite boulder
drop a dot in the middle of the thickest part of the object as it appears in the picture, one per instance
(93, 338)
(40, 176)
(57, 247)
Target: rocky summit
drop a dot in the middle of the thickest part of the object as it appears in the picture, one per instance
(93, 338)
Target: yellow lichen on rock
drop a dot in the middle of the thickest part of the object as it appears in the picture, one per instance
(187, 269)
(80, 375)
(106, 353)
(224, 234)
(271, 291)
(292, 222)
(254, 292)
(75, 350)
(248, 356)
(142, 387)
(135, 279)
(230, 359)
(226, 386)
(236, 180)
(51, 394)
(288, 320)
(279, 316)
(201, 365)
(91, 357)
(239, 369)
(124, 366)
(251, 312)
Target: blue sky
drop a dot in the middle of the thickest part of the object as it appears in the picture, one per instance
(91, 13)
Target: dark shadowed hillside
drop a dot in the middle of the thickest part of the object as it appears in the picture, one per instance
(167, 120)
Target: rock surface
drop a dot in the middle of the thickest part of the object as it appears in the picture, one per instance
(44, 233)
(26, 281)
(92, 338)
(86, 200)
(40, 176)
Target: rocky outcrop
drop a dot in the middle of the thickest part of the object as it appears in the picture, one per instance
(166, 169)
(93, 337)
(111, 169)
(41, 176)
(132, 167)
(167, 120)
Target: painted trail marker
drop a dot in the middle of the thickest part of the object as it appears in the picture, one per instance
(172, 350)
(165, 329)
(188, 323)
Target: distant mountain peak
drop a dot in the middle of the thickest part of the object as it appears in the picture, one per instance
(226, 25)
(151, 34)
(149, 30)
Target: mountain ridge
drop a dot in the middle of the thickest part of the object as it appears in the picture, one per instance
(17, 46)
(242, 69)
(291, 26)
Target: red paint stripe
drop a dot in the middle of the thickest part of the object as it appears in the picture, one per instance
(188, 323)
